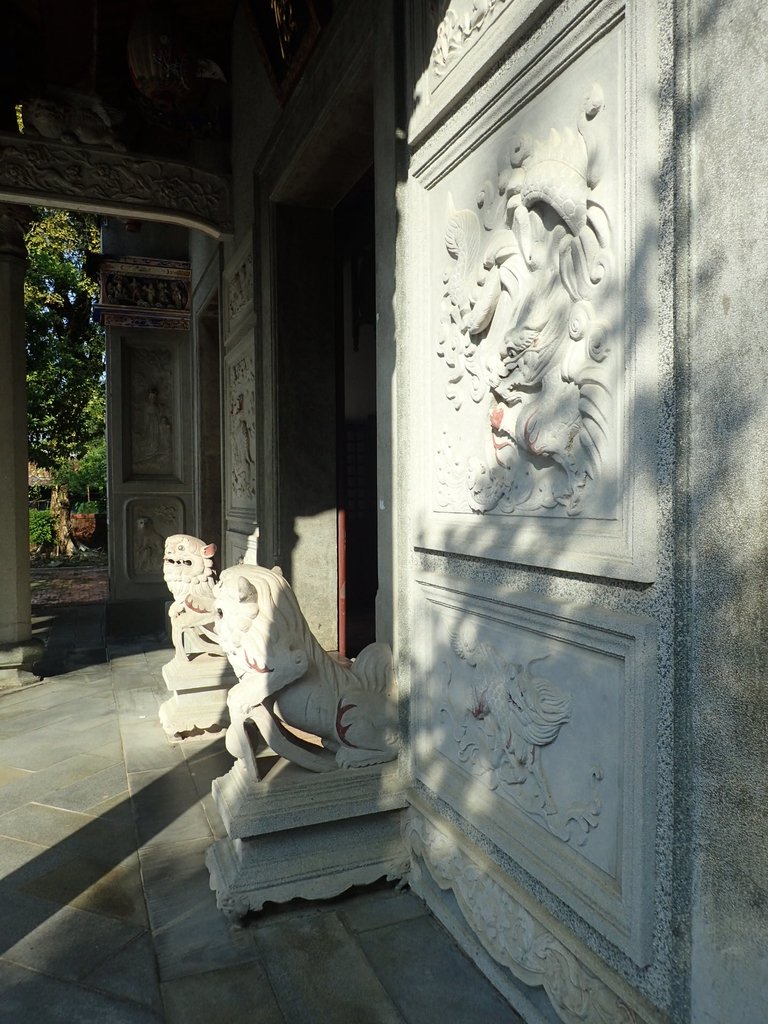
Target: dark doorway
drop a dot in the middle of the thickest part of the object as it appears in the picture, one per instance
(355, 273)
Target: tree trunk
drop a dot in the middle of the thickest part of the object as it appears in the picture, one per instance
(61, 526)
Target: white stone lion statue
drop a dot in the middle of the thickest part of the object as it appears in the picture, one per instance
(288, 682)
(189, 575)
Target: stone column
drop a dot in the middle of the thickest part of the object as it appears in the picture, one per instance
(18, 651)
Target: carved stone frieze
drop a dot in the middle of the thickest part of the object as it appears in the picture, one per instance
(462, 22)
(143, 292)
(509, 932)
(103, 180)
(525, 332)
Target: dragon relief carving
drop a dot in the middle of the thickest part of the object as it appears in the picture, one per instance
(513, 713)
(523, 331)
(509, 933)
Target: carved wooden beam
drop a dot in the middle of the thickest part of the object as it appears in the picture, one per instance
(42, 172)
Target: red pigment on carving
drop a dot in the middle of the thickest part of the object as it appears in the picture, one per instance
(255, 666)
(341, 729)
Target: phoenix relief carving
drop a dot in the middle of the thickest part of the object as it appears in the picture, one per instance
(513, 712)
(524, 332)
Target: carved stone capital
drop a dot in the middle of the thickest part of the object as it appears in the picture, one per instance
(14, 221)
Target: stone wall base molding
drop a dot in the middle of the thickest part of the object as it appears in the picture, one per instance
(509, 936)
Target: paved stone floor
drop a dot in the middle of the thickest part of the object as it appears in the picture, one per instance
(107, 916)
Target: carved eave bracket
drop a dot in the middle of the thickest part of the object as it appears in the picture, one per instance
(58, 174)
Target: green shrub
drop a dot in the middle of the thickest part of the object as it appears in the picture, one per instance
(88, 506)
(40, 527)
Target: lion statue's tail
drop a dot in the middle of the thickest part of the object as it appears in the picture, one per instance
(374, 669)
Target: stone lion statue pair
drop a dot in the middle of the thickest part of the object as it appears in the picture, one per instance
(291, 698)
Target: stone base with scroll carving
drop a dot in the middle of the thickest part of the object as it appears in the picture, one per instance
(509, 936)
(301, 834)
(199, 700)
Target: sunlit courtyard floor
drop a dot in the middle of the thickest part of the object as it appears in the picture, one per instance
(107, 915)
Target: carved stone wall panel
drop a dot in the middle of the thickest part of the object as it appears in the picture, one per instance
(535, 319)
(514, 930)
(148, 521)
(103, 181)
(240, 439)
(151, 411)
(238, 288)
(459, 40)
(535, 722)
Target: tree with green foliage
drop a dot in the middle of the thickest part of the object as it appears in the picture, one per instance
(65, 355)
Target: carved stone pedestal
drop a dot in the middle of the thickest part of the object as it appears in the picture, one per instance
(17, 662)
(299, 834)
(199, 701)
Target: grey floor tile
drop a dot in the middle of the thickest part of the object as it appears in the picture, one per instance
(54, 744)
(8, 774)
(91, 880)
(29, 996)
(111, 751)
(40, 824)
(379, 909)
(74, 717)
(94, 791)
(47, 694)
(429, 978)
(191, 934)
(235, 995)
(76, 862)
(39, 785)
(146, 746)
(319, 973)
(60, 941)
(137, 704)
(16, 854)
(131, 974)
(166, 807)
